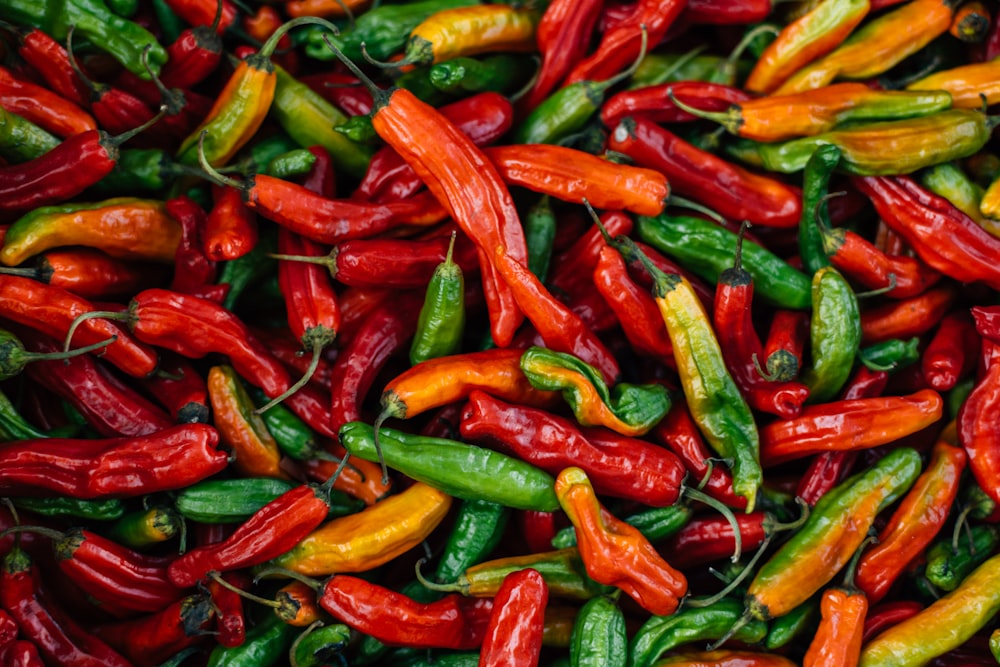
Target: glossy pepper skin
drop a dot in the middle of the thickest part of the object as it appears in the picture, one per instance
(514, 633)
(834, 334)
(838, 640)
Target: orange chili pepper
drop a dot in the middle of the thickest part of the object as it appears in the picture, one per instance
(324, 8)
(243, 431)
(297, 605)
(971, 86)
(616, 553)
(375, 535)
(837, 642)
(908, 317)
(971, 23)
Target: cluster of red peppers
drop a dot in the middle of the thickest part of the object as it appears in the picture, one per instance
(442, 332)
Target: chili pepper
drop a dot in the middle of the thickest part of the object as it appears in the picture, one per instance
(13, 426)
(230, 229)
(975, 428)
(573, 265)
(123, 227)
(655, 102)
(265, 644)
(714, 12)
(219, 14)
(660, 634)
(826, 541)
(705, 539)
(913, 143)
(616, 553)
(741, 347)
(296, 162)
(316, 647)
(598, 636)
(455, 468)
(908, 317)
(731, 190)
(241, 428)
(951, 182)
(444, 380)
(572, 175)
(180, 389)
(384, 332)
(21, 653)
(835, 334)
(231, 619)
(294, 437)
(886, 615)
(890, 355)
(949, 563)
(22, 141)
(477, 530)
(49, 59)
(119, 467)
(43, 107)
(785, 344)
(153, 638)
(498, 73)
(297, 604)
(798, 622)
(839, 637)
(968, 85)
(107, 509)
(441, 323)
(192, 267)
(145, 528)
(228, 500)
(876, 46)
(901, 275)
(122, 39)
(861, 423)
(968, 608)
(620, 45)
(139, 172)
(811, 112)
(272, 530)
(622, 467)
(513, 635)
(656, 524)
(914, 524)
(56, 635)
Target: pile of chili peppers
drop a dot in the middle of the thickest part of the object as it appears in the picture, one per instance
(444, 332)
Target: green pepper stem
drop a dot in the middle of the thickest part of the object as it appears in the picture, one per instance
(700, 603)
(706, 499)
(728, 67)
(329, 260)
(683, 202)
(731, 119)
(770, 377)
(67, 354)
(44, 531)
(285, 572)
(92, 315)
(881, 290)
(377, 426)
(380, 98)
(626, 73)
(301, 382)
(272, 42)
(213, 173)
(960, 522)
(683, 60)
(93, 87)
(217, 578)
(740, 623)
(518, 94)
(302, 635)
(817, 218)
(852, 566)
(441, 588)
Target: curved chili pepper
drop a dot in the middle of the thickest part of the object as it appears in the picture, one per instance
(21, 141)
(616, 553)
(838, 639)
(835, 334)
(920, 515)
(876, 46)
(149, 640)
(949, 564)
(882, 616)
(123, 227)
(859, 424)
(57, 636)
(477, 530)
(514, 633)
(441, 323)
(908, 317)
(192, 268)
(655, 102)
(180, 389)
(975, 419)
(622, 467)
(364, 540)
(968, 84)
(231, 618)
(49, 58)
(43, 107)
(230, 229)
(832, 533)
(692, 172)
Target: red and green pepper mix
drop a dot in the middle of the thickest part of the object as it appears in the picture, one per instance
(336, 334)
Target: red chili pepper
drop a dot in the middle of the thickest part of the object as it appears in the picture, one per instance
(288, 350)
(180, 389)
(262, 25)
(384, 332)
(230, 231)
(886, 615)
(8, 628)
(270, 532)
(987, 319)
(706, 293)
(563, 36)
(560, 328)
(679, 432)
(453, 622)
(342, 90)
(654, 103)
(622, 467)
(572, 268)
(51, 60)
(620, 44)
(977, 422)
(192, 268)
(91, 273)
(517, 621)
(108, 405)
(786, 343)
(923, 219)
(707, 539)
(731, 190)
(322, 178)
(914, 524)
(952, 351)
(113, 467)
(538, 529)
(58, 637)
(484, 118)
(51, 310)
(41, 106)
(206, 12)
(908, 317)
(149, 640)
(231, 623)
(21, 653)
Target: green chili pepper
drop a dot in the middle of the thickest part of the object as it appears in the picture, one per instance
(799, 622)
(309, 119)
(832, 533)
(657, 68)
(418, 82)
(660, 634)
(139, 172)
(500, 72)
(948, 180)
(979, 504)
(888, 147)
(313, 648)
(995, 645)
(656, 524)
(461, 470)
(707, 250)
(540, 234)
(145, 528)
(22, 140)
(294, 437)
(252, 268)
(295, 162)
(598, 638)
(169, 24)
(834, 334)
(123, 8)
(383, 30)
(104, 509)
(441, 323)
(890, 355)
(266, 644)
(477, 531)
(13, 426)
(122, 39)
(359, 129)
(949, 561)
(228, 500)
(815, 183)
(635, 408)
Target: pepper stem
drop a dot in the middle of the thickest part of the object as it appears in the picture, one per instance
(772, 525)
(700, 603)
(682, 202)
(44, 531)
(211, 171)
(120, 139)
(962, 522)
(852, 566)
(271, 44)
(728, 68)
(731, 119)
(96, 89)
(740, 623)
(441, 588)
(172, 100)
(380, 98)
(19, 360)
(92, 315)
(301, 382)
(329, 260)
(217, 578)
(302, 635)
(626, 73)
(706, 499)
(376, 427)
(285, 572)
